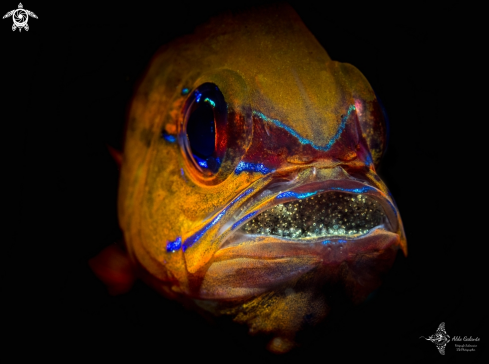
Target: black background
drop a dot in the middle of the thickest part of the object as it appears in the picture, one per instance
(66, 84)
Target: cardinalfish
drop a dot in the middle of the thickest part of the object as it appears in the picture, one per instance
(248, 183)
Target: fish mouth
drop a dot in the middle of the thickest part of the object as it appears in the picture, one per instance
(326, 212)
(324, 215)
(280, 235)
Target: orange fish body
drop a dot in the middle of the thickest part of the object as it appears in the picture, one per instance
(248, 184)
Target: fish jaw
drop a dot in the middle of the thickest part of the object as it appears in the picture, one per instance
(262, 261)
(280, 285)
(248, 264)
(253, 265)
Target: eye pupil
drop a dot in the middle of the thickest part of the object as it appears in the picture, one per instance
(201, 131)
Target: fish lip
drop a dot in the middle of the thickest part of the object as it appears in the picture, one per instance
(241, 271)
(327, 250)
(316, 187)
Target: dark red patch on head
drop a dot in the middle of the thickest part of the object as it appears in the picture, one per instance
(275, 147)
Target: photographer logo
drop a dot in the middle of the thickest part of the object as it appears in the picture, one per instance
(20, 17)
(440, 338)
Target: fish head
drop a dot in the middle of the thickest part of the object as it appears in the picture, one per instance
(249, 174)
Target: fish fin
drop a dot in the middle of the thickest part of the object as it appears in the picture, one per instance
(116, 154)
(113, 267)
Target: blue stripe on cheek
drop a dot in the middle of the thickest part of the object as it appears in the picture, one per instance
(252, 167)
(191, 241)
(196, 237)
(236, 224)
(297, 195)
(354, 190)
(173, 246)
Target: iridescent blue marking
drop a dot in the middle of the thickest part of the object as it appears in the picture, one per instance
(340, 129)
(252, 167)
(185, 91)
(173, 246)
(303, 140)
(368, 160)
(338, 241)
(250, 215)
(198, 95)
(169, 138)
(309, 194)
(209, 101)
(297, 195)
(191, 240)
(354, 190)
(201, 162)
(181, 171)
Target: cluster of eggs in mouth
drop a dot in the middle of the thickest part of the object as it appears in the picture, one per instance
(325, 215)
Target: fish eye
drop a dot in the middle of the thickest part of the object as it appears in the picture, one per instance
(205, 114)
